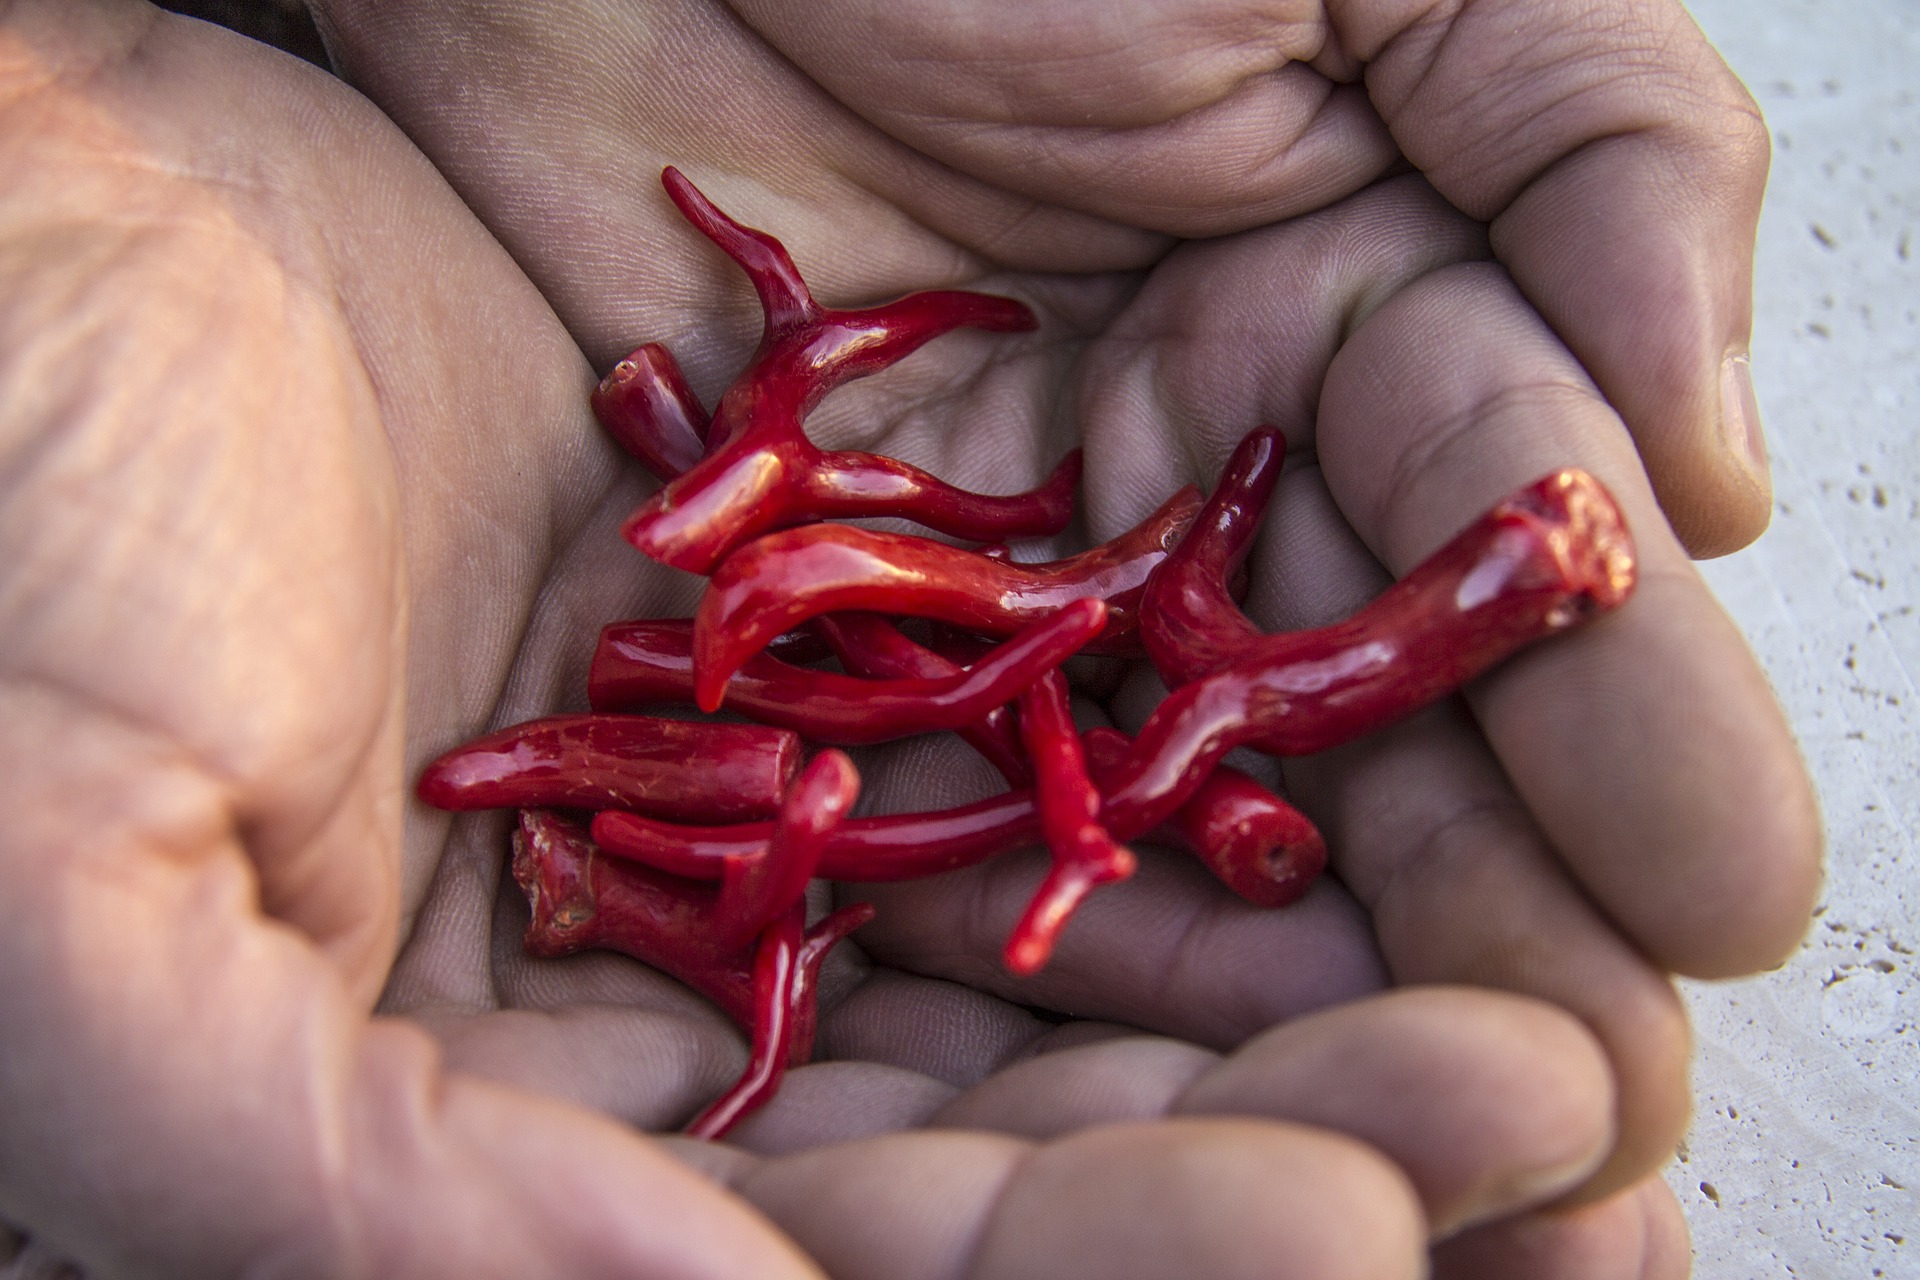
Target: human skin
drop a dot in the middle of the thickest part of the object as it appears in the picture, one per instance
(300, 489)
(1598, 153)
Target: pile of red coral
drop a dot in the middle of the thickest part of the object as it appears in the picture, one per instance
(605, 850)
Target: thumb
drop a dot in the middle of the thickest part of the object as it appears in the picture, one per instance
(1620, 163)
(187, 1089)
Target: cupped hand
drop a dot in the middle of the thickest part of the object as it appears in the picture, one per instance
(303, 492)
(1564, 281)
(299, 488)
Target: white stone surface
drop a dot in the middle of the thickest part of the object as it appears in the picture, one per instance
(1804, 1160)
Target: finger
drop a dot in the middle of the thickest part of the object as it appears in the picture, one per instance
(946, 1030)
(834, 1102)
(1189, 118)
(1052, 1094)
(1448, 395)
(1638, 1234)
(1621, 164)
(1169, 950)
(190, 1089)
(1232, 333)
(902, 1051)
(1702, 839)
(1204, 1198)
(1199, 1198)
(1460, 881)
(1487, 1102)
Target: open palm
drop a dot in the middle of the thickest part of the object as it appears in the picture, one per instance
(304, 491)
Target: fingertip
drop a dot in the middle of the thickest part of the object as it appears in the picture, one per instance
(1201, 1199)
(1488, 1101)
(1714, 865)
(1687, 398)
(1770, 907)
(1747, 831)
(1649, 1045)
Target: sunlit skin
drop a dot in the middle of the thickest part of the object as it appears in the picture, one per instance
(301, 487)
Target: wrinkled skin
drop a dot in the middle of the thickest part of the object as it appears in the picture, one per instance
(299, 488)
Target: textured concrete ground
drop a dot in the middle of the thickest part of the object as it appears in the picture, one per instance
(1804, 1160)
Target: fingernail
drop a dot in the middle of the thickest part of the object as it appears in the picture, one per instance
(1740, 417)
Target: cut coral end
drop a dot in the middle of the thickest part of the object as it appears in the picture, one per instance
(647, 407)
(673, 768)
(1254, 842)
